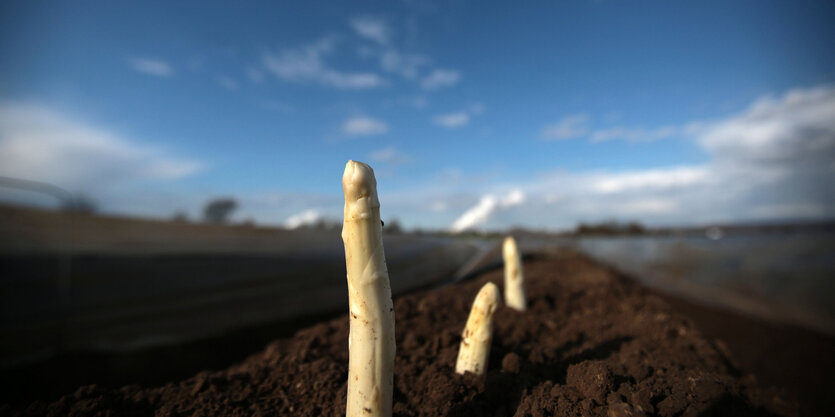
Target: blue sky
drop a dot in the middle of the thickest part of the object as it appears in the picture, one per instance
(473, 114)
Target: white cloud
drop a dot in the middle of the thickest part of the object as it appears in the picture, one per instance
(656, 179)
(476, 215)
(363, 126)
(306, 64)
(353, 81)
(151, 66)
(453, 120)
(649, 206)
(563, 199)
(407, 65)
(460, 118)
(570, 127)
(637, 134)
(391, 58)
(374, 29)
(513, 198)
(305, 218)
(773, 160)
(488, 204)
(227, 82)
(438, 206)
(578, 126)
(797, 128)
(40, 144)
(255, 75)
(290, 209)
(388, 155)
(440, 78)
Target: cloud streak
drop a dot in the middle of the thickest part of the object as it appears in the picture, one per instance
(798, 127)
(364, 126)
(404, 64)
(578, 126)
(307, 65)
(459, 118)
(40, 144)
(388, 155)
(440, 78)
(570, 127)
(151, 66)
(373, 29)
(486, 207)
(453, 120)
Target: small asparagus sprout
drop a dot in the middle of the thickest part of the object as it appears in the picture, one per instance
(475, 341)
(514, 279)
(371, 340)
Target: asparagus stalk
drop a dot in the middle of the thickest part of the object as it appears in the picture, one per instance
(514, 279)
(371, 340)
(478, 333)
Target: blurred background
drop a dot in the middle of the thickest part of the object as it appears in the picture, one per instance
(170, 172)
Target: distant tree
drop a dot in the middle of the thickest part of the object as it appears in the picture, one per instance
(610, 228)
(392, 227)
(635, 228)
(80, 203)
(180, 217)
(217, 211)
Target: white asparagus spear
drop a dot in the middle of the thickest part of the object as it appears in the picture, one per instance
(371, 340)
(478, 333)
(514, 279)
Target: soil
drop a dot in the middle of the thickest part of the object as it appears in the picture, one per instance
(779, 354)
(592, 342)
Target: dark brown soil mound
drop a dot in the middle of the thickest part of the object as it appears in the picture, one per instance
(591, 343)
